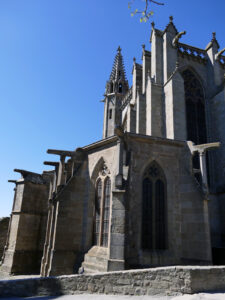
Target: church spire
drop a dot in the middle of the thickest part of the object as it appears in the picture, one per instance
(117, 82)
(116, 87)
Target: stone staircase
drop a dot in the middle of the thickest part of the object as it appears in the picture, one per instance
(96, 260)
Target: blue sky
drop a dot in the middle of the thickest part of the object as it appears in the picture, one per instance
(55, 58)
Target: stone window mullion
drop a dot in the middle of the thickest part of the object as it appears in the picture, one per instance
(101, 214)
(154, 209)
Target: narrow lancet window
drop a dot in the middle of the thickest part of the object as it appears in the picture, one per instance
(97, 211)
(154, 209)
(159, 215)
(147, 214)
(102, 208)
(195, 108)
(106, 210)
(195, 117)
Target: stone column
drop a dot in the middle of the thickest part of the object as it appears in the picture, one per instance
(202, 157)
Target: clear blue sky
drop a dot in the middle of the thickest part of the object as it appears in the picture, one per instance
(55, 58)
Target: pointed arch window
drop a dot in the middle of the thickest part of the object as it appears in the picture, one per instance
(195, 108)
(195, 117)
(102, 211)
(154, 208)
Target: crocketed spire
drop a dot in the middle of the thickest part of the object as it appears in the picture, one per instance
(117, 82)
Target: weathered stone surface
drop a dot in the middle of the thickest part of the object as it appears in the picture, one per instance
(90, 208)
(158, 281)
(4, 224)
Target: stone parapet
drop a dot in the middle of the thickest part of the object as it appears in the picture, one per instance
(158, 281)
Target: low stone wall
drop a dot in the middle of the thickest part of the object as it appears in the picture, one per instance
(158, 281)
(4, 223)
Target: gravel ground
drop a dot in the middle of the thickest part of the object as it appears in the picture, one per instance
(201, 296)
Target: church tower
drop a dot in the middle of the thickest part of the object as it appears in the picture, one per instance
(116, 87)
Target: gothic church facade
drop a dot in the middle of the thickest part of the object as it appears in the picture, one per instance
(152, 191)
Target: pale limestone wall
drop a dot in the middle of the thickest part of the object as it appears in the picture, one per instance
(159, 281)
(108, 154)
(169, 53)
(75, 211)
(4, 224)
(175, 108)
(188, 232)
(154, 110)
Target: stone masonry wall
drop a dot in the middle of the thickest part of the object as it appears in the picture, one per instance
(4, 223)
(158, 281)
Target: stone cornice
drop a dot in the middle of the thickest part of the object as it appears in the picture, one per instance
(154, 140)
(101, 143)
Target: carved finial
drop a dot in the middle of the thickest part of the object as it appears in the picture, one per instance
(119, 49)
(134, 59)
(171, 19)
(153, 25)
(214, 35)
(143, 47)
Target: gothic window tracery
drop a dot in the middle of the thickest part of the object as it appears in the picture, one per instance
(153, 209)
(195, 117)
(195, 108)
(102, 208)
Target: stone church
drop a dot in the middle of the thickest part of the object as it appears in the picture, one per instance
(152, 191)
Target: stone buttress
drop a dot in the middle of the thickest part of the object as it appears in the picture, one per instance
(151, 192)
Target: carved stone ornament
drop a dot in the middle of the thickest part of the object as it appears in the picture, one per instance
(105, 171)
